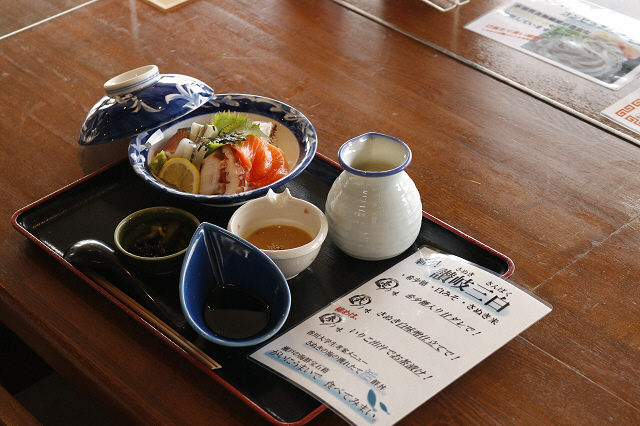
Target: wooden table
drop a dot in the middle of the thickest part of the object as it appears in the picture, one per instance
(445, 32)
(558, 195)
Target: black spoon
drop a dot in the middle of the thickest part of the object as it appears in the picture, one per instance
(91, 256)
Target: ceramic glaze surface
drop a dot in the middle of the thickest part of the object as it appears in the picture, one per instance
(161, 264)
(374, 215)
(214, 255)
(283, 209)
(304, 140)
(140, 100)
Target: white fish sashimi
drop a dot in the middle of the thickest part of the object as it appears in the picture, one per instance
(198, 155)
(210, 131)
(194, 133)
(185, 149)
(268, 128)
(199, 131)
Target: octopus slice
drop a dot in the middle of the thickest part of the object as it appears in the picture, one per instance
(235, 174)
(210, 174)
(222, 173)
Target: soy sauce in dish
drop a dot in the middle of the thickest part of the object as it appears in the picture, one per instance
(234, 313)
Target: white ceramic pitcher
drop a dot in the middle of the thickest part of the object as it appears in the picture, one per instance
(373, 208)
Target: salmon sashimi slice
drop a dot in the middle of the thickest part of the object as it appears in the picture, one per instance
(263, 162)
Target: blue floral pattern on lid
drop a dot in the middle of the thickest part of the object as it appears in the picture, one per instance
(141, 100)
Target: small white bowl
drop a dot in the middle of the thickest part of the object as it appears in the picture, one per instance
(283, 209)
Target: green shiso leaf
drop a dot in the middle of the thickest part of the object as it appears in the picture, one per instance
(228, 122)
(233, 128)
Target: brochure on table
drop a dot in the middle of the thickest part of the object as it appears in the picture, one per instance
(626, 111)
(379, 352)
(596, 43)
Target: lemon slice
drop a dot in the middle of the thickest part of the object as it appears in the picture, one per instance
(181, 174)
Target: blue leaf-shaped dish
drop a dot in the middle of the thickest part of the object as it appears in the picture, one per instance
(237, 262)
(296, 137)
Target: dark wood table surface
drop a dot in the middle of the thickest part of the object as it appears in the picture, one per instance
(557, 194)
(446, 33)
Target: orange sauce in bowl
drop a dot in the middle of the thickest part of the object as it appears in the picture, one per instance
(279, 237)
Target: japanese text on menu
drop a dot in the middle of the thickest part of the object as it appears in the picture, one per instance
(423, 323)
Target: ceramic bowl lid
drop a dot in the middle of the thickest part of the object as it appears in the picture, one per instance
(140, 100)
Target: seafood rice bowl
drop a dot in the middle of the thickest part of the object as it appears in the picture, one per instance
(232, 149)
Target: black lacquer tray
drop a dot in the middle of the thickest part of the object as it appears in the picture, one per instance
(92, 207)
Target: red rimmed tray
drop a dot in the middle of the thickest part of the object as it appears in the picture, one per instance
(92, 207)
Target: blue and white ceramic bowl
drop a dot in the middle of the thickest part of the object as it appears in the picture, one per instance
(296, 137)
(216, 254)
(139, 100)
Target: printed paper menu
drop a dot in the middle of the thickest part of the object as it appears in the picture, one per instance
(580, 37)
(380, 351)
(626, 111)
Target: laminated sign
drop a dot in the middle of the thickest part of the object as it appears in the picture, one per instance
(380, 351)
(593, 42)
